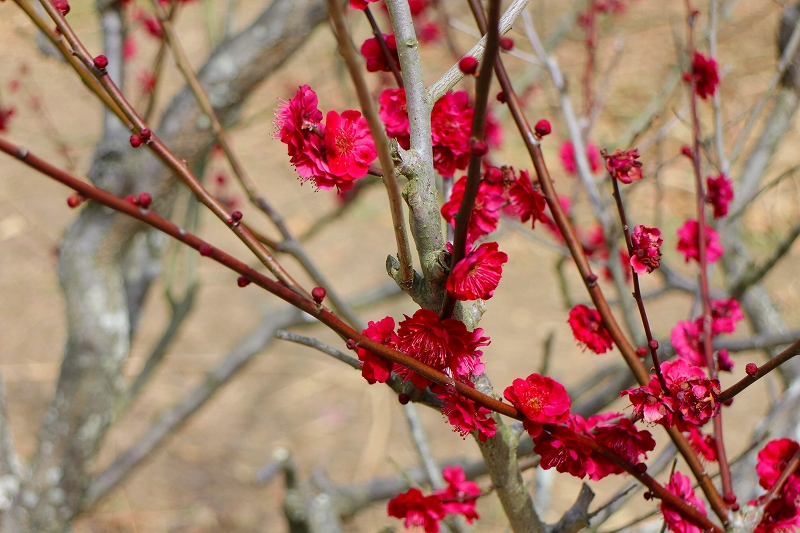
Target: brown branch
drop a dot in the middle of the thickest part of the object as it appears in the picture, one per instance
(762, 371)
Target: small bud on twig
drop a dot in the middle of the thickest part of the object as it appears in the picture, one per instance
(318, 293)
(101, 62)
(543, 128)
(468, 65)
(242, 281)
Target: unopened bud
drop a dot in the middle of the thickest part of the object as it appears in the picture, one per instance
(145, 200)
(136, 141)
(501, 97)
(145, 134)
(75, 200)
(641, 351)
(506, 43)
(131, 199)
(236, 216)
(468, 65)
(653, 344)
(494, 176)
(101, 62)
(751, 369)
(685, 150)
(478, 148)
(318, 293)
(204, 249)
(351, 344)
(403, 398)
(242, 281)
(543, 128)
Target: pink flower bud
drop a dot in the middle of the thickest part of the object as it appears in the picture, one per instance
(318, 293)
(131, 199)
(543, 128)
(686, 151)
(204, 249)
(236, 216)
(468, 65)
(506, 43)
(145, 134)
(478, 148)
(751, 369)
(145, 200)
(641, 351)
(351, 344)
(136, 141)
(653, 344)
(501, 97)
(242, 281)
(494, 176)
(75, 200)
(62, 6)
(101, 62)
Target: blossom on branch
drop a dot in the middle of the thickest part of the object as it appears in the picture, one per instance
(689, 241)
(681, 486)
(646, 246)
(563, 450)
(451, 125)
(485, 210)
(617, 433)
(527, 202)
(444, 345)
(623, 165)
(703, 75)
(466, 416)
(361, 4)
(417, 510)
(724, 316)
(376, 369)
(394, 115)
(541, 399)
(460, 495)
(349, 145)
(376, 59)
(478, 274)
(589, 330)
(720, 194)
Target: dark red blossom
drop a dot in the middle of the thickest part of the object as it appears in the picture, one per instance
(623, 165)
(646, 246)
(444, 345)
(588, 329)
(394, 115)
(618, 434)
(724, 316)
(689, 240)
(681, 486)
(376, 369)
(460, 495)
(567, 155)
(527, 202)
(541, 399)
(772, 460)
(376, 59)
(466, 416)
(703, 75)
(478, 274)
(563, 450)
(485, 210)
(417, 510)
(451, 124)
(781, 515)
(720, 194)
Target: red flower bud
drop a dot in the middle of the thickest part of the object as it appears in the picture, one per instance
(75, 200)
(493, 176)
(478, 148)
(145, 200)
(404, 398)
(236, 216)
(501, 97)
(730, 499)
(506, 43)
(685, 150)
(204, 249)
(318, 293)
(131, 199)
(751, 369)
(641, 351)
(543, 128)
(136, 141)
(242, 281)
(351, 344)
(101, 62)
(145, 134)
(468, 65)
(653, 344)
(62, 6)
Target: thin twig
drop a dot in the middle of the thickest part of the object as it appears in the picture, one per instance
(355, 68)
(762, 371)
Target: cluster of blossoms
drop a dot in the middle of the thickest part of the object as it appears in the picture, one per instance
(687, 335)
(690, 400)
(563, 440)
(457, 498)
(500, 189)
(782, 513)
(681, 486)
(331, 154)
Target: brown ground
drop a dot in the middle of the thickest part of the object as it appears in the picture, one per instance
(200, 481)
